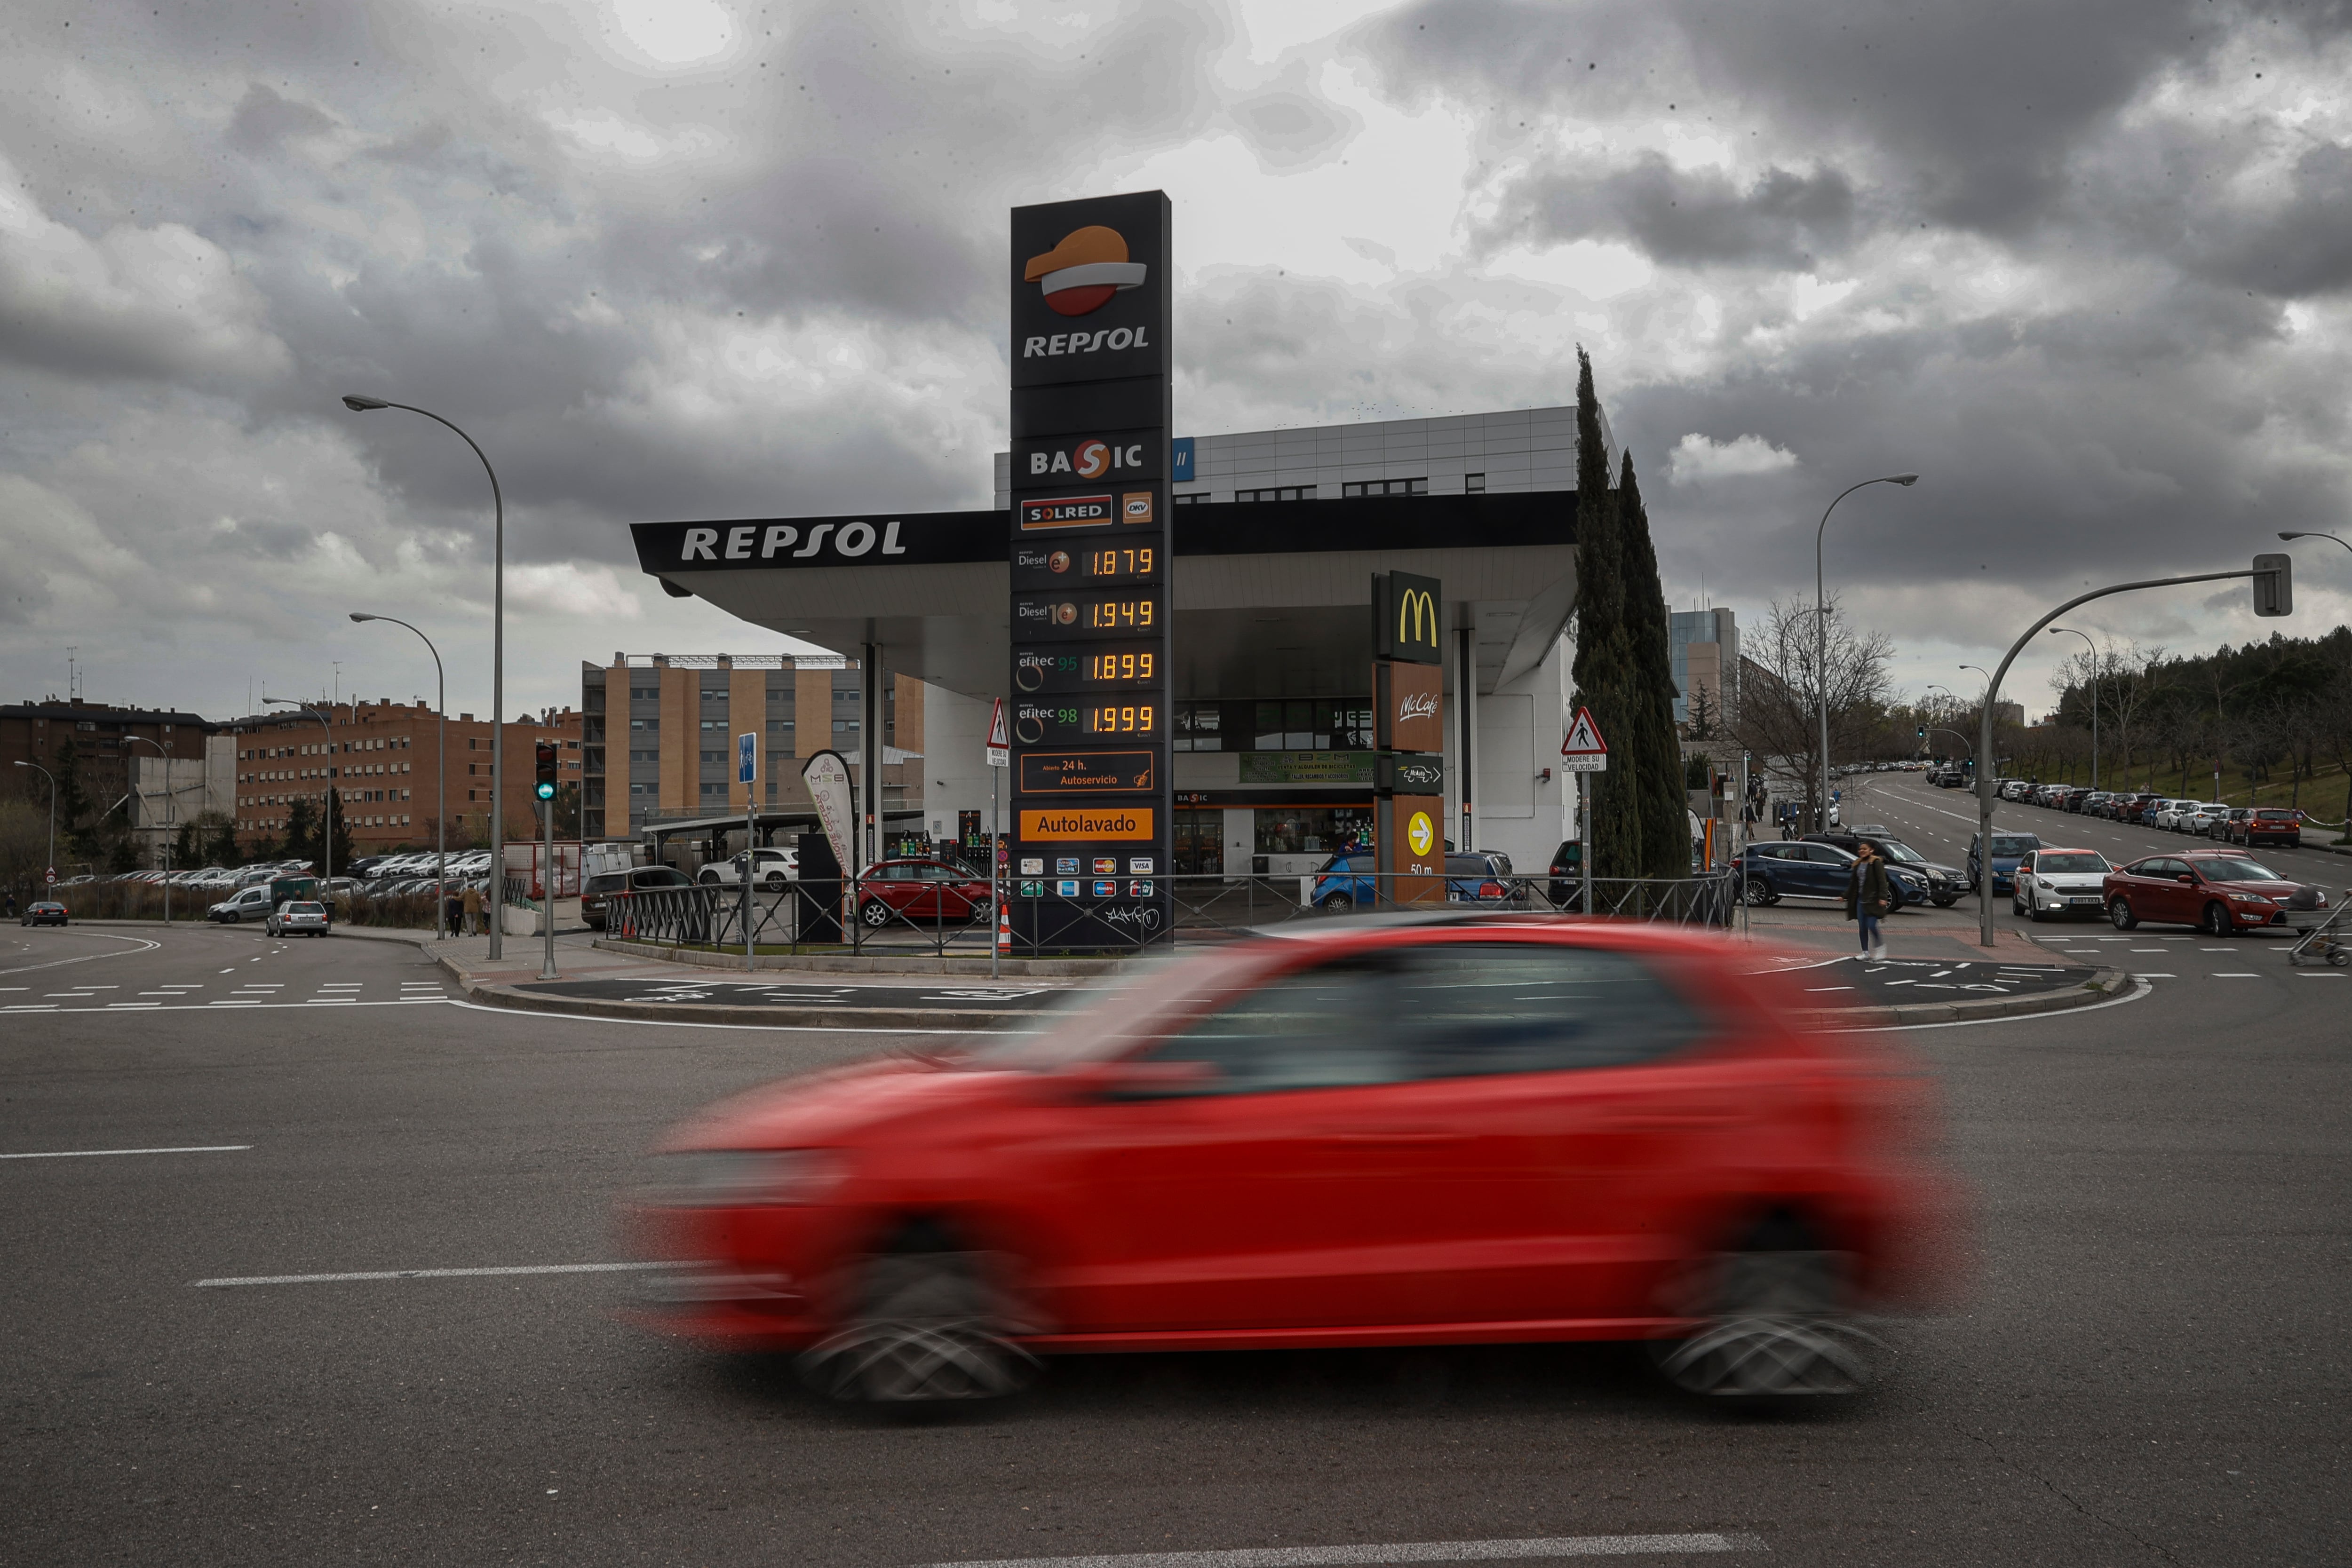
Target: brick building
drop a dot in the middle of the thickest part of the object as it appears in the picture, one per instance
(380, 757)
(659, 735)
(101, 734)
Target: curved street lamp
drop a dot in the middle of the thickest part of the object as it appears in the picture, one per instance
(440, 770)
(2094, 647)
(2315, 534)
(498, 664)
(170, 814)
(327, 811)
(52, 867)
(1821, 624)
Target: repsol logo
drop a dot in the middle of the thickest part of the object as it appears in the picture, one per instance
(1046, 348)
(849, 542)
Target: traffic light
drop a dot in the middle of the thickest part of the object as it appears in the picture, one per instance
(545, 770)
(1923, 732)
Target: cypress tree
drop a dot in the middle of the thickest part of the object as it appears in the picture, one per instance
(1604, 673)
(1653, 761)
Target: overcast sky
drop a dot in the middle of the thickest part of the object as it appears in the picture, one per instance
(2083, 264)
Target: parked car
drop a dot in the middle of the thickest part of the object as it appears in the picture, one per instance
(776, 868)
(298, 918)
(1937, 884)
(1205, 1156)
(1567, 873)
(2052, 882)
(2134, 807)
(1770, 872)
(43, 911)
(2007, 849)
(2273, 824)
(920, 889)
(2200, 821)
(599, 889)
(2219, 891)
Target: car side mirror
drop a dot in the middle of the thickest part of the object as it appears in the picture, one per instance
(2185, 877)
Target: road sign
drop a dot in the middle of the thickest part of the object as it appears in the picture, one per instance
(1000, 738)
(53, 876)
(747, 758)
(1584, 751)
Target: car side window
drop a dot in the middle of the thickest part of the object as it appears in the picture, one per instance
(1770, 852)
(1313, 1028)
(1826, 855)
(1464, 1010)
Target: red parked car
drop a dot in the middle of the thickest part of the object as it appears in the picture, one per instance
(1402, 1131)
(2271, 824)
(2214, 889)
(924, 891)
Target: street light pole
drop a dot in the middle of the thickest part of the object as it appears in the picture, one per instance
(2094, 647)
(2314, 535)
(170, 815)
(440, 770)
(50, 868)
(327, 808)
(1821, 632)
(1984, 722)
(497, 668)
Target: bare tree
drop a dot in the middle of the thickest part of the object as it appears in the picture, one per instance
(1780, 693)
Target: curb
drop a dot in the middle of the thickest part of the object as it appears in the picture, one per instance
(2104, 985)
(858, 964)
(940, 1019)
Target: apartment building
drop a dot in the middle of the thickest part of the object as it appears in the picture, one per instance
(381, 759)
(101, 736)
(657, 734)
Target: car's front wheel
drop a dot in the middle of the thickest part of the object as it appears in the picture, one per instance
(926, 1326)
(1760, 893)
(2120, 915)
(709, 879)
(2217, 920)
(874, 914)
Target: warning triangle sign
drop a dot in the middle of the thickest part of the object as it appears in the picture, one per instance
(1584, 738)
(999, 737)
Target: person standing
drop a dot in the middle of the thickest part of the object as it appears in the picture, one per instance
(473, 908)
(1866, 898)
(453, 911)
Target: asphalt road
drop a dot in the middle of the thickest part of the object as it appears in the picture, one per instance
(2152, 1368)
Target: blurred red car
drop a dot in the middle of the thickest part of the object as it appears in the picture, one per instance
(1389, 1131)
(920, 891)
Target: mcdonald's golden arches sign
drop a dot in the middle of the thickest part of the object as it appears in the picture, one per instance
(1406, 616)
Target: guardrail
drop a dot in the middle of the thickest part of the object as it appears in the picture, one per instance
(943, 921)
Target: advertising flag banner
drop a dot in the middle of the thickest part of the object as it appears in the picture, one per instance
(827, 779)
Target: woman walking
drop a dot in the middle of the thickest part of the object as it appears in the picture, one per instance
(1866, 898)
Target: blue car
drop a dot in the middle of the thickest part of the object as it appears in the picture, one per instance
(1772, 871)
(1346, 881)
(2007, 849)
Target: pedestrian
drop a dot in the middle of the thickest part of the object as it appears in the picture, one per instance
(453, 913)
(1866, 898)
(12, 903)
(473, 908)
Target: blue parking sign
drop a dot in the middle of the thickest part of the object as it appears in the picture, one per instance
(747, 758)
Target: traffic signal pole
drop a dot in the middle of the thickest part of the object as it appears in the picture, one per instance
(543, 757)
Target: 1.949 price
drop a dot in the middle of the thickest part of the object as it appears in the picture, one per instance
(1119, 614)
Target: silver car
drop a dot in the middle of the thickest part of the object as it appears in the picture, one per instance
(297, 919)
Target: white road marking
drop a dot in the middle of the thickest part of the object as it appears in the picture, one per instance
(2153, 975)
(144, 947)
(96, 1154)
(1400, 1552)
(2236, 975)
(426, 1274)
(117, 1007)
(2309, 975)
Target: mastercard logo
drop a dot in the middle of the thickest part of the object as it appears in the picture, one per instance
(1083, 272)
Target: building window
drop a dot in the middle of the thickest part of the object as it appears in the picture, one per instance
(717, 725)
(714, 791)
(844, 727)
(644, 725)
(644, 693)
(1192, 499)
(714, 756)
(780, 727)
(1474, 483)
(644, 789)
(644, 757)
(1313, 830)
(1199, 728)
(1385, 487)
(1277, 493)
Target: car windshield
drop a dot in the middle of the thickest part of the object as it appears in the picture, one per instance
(2002, 844)
(306, 909)
(2086, 863)
(2234, 868)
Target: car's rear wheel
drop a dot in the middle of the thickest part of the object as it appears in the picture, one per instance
(775, 883)
(2217, 920)
(1339, 904)
(928, 1324)
(1777, 1323)
(2120, 915)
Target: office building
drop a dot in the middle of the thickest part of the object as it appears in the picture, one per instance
(1704, 647)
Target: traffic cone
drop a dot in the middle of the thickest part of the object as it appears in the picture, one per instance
(1004, 929)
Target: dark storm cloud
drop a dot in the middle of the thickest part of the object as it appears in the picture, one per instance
(1689, 218)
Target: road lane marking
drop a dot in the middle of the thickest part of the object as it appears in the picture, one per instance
(97, 1153)
(144, 947)
(1709, 1542)
(425, 1274)
(2235, 975)
(117, 1007)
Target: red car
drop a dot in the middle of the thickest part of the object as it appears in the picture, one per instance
(922, 892)
(2275, 824)
(1417, 1130)
(2216, 891)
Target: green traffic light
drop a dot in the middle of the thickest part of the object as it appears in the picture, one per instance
(546, 792)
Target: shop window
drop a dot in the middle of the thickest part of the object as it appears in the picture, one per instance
(1312, 830)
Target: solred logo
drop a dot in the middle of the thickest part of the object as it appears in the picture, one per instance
(1082, 273)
